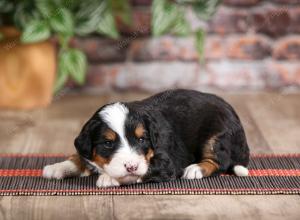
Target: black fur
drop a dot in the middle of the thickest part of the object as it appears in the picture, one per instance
(179, 123)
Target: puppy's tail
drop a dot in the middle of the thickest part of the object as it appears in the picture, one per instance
(240, 170)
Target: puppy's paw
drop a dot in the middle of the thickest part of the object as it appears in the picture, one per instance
(192, 172)
(105, 180)
(139, 180)
(61, 170)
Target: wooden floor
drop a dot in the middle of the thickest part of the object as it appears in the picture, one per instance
(271, 121)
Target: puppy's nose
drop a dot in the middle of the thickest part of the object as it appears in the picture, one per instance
(130, 167)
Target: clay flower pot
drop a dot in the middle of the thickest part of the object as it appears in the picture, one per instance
(27, 72)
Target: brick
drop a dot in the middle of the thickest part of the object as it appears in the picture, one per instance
(232, 75)
(157, 76)
(291, 2)
(141, 22)
(287, 48)
(229, 20)
(164, 48)
(295, 20)
(241, 2)
(248, 47)
(102, 49)
(169, 48)
(274, 21)
(154, 76)
(223, 74)
(215, 47)
(102, 76)
(254, 75)
(141, 2)
(287, 72)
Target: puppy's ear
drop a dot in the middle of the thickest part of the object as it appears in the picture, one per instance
(169, 151)
(160, 132)
(83, 141)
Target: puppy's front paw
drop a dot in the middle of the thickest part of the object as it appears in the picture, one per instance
(61, 170)
(105, 180)
(192, 172)
(139, 180)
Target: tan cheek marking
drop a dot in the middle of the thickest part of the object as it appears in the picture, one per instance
(110, 135)
(139, 131)
(100, 161)
(149, 154)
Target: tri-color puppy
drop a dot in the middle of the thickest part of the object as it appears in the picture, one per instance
(174, 134)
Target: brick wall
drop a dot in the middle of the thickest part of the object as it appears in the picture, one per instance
(251, 44)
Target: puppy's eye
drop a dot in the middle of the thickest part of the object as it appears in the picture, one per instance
(141, 139)
(108, 144)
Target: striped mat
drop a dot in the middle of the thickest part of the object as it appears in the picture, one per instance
(269, 174)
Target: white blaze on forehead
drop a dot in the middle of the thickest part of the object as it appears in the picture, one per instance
(114, 116)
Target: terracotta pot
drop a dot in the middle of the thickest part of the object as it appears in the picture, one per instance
(27, 72)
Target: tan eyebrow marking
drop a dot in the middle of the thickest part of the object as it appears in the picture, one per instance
(110, 135)
(139, 131)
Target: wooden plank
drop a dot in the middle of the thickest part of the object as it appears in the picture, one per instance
(42, 136)
(278, 119)
(56, 207)
(207, 207)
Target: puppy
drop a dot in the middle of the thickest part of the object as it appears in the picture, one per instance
(174, 134)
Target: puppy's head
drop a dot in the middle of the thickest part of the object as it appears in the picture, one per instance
(116, 141)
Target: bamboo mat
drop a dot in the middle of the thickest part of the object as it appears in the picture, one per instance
(268, 174)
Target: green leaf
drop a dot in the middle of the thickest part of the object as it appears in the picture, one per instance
(181, 26)
(61, 78)
(107, 25)
(168, 17)
(122, 9)
(164, 14)
(90, 8)
(35, 31)
(6, 6)
(63, 41)
(88, 16)
(72, 5)
(205, 9)
(62, 21)
(45, 7)
(24, 14)
(75, 64)
(199, 39)
(79, 66)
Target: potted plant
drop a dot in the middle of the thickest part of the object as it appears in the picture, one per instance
(28, 69)
(33, 65)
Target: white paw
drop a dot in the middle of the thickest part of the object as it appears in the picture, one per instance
(105, 180)
(61, 170)
(192, 172)
(139, 180)
(240, 170)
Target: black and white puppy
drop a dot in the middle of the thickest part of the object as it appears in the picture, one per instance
(174, 134)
